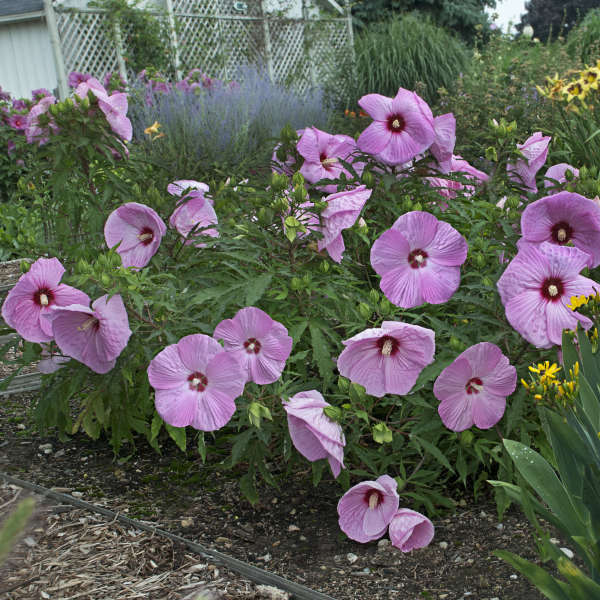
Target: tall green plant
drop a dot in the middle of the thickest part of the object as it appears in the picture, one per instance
(404, 52)
(569, 485)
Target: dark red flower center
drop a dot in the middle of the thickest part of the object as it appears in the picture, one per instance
(474, 385)
(373, 498)
(198, 381)
(327, 162)
(252, 346)
(146, 236)
(562, 233)
(396, 123)
(387, 345)
(417, 259)
(44, 297)
(552, 289)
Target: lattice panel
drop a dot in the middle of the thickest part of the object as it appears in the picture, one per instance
(86, 44)
(243, 44)
(199, 45)
(289, 60)
(198, 7)
(331, 46)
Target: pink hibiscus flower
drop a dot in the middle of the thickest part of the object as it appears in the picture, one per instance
(34, 132)
(138, 230)
(562, 218)
(342, 211)
(93, 336)
(192, 216)
(34, 295)
(442, 148)
(322, 153)
(177, 188)
(387, 359)
(535, 150)
(410, 529)
(196, 383)
(473, 389)
(313, 433)
(556, 174)
(536, 287)
(261, 345)
(366, 509)
(419, 260)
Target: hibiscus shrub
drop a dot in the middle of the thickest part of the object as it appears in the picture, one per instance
(346, 308)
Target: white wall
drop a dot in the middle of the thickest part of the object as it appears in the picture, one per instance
(26, 60)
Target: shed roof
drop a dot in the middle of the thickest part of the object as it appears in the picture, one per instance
(19, 7)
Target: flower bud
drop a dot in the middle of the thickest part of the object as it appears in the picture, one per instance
(299, 193)
(105, 279)
(297, 179)
(513, 202)
(417, 206)
(343, 384)
(466, 438)
(479, 259)
(374, 296)
(296, 283)
(24, 265)
(53, 110)
(324, 266)
(362, 226)
(456, 344)
(491, 154)
(487, 282)
(364, 310)
(368, 179)
(279, 182)
(385, 307)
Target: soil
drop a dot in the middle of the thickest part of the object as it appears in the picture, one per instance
(292, 531)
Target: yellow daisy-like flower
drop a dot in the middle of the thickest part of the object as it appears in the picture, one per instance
(575, 89)
(546, 371)
(152, 129)
(577, 302)
(591, 77)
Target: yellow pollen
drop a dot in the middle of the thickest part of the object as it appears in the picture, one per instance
(552, 290)
(386, 350)
(44, 300)
(396, 124)
(476, 386)
(87, 324)
(145, 236)
(329, 161)
(373, 500)
(561, 235)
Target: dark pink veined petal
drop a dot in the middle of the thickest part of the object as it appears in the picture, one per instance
(304, 440)
(166, 371)
(114, 332)
(176, 406)
(374, 138)
(25, 318)
(453, 379)
(314, 171)
(402, 286)
(483, 358)
(526, 312)
(277, 344)
(559, 318)
(417, 344)
(197, 350)
(438, 283)
(444, 127)
(65, 295)
(448, 247)
(230, 331)
(410, 530)
(456, 411)
(488, 409)
(361, 362)
(376, 106)
(253, 322)
(399, 380)
(536, 223)
(526, 272)
(389, 250)
(404, 101)
(264, 370)
(214, 410)
(176, 188)
(419, 228)
(401, 148)
(564, 262)
(45, 273)
(308, 146)
(335, 248)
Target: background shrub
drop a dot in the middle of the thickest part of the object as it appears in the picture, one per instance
(584, 41)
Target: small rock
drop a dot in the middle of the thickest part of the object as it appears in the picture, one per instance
(500, 526)
(470, 561)
(21, 426)
(222, 540)
(271, 593)
(276, 543)
(351, 558)
(463, 502)
(366, 570)
(59, 454)
(266, 558)
(77, 494)
(568, 553)
(303, 538)
(274, 501)
(554, 541)
(467, 594)
(514, 576)
(323, 568)
(443, 545)
(30, 542)
(186, 522)
(44, 446)
(293, 511)
(483, 514)
(384, 543)
(442, 596)
(293, 528)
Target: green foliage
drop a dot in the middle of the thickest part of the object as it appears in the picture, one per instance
(14, 525)
(410, 52)
(584, 40)
(569, 485)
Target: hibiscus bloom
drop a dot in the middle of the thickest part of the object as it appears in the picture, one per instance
(322, 153)
(34, 295)
(94, 336)
(387, 359)
(196, 383)
(366, 509)
(138, 230)
(34, 132)
(177, 188)
(313, 433)
(473, 389)
(402, 127)
(419, 260)
(192, 216)
(556, 174)
(562, 218)
(535, 150)
(342, 211)
(536, 287)
(410, 529)
(261, 345)
(442, 148)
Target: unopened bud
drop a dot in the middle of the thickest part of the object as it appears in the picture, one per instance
(374, 296)
(364, 310)
(368, 179)
(297, 179)
(296, 283)
(324, 266)
(279, 182)
(417, 206)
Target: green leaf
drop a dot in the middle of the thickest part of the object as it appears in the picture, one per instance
(317, 471)
(433, 450)
(178, 435)
(321, 353)
(14, 525)
(155, 427)
(542, 580)
(256, 287)
(542, 478)
(248, 488)
(569, 351)
(201, 446)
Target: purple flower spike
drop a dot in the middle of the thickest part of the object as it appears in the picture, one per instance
(442, 148)
(366, 509)
(194, 213)
(322, 153)
(536, 287)
(261, 344)
(138, 230)
(34, 295)
(562, 218)
(535, 150)
(196, 383)
(342, 211)
(314, 434)
(93, 336)
(473, 389)
(419, 260)
(410, 529)
(402, 127)
(387, 359)
(556, 174)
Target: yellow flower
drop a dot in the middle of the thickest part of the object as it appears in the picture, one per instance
(577, 301)
(590, 77)
(152, 129)
(546, 370)
(575, 89)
